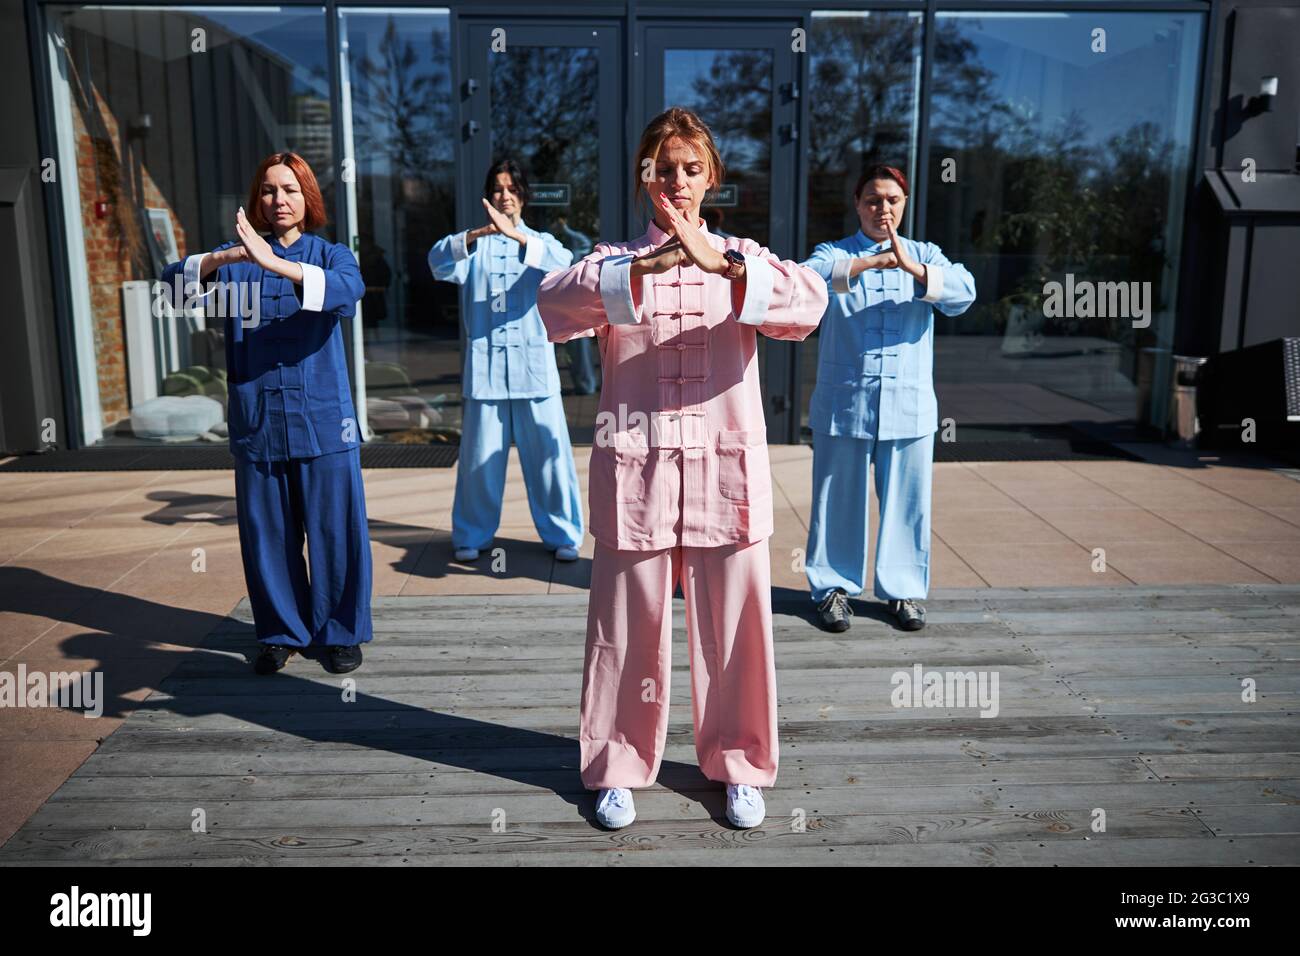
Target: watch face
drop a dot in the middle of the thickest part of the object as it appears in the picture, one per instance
(734, 256)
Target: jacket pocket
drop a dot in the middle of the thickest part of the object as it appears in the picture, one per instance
(735, 461)
(631, 456)
(245, 417)
(247, 408)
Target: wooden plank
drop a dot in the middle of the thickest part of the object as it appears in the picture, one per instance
(793, 774)
(856, 681)
(468, 791)
(1210, 766)
(1088, 621)
(513, 749)
(994, 826)
(1256, 820)
(1191, 852)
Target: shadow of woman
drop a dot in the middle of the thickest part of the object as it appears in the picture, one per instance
(145, 645)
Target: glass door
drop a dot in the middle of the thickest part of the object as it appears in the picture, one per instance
(743, 81)
(549, 97)
(398, 121)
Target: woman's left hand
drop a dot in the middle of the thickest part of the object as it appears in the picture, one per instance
(694, 244)
(259, 250)
(905, 262)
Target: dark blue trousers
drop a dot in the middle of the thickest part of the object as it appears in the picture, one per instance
(320, 500)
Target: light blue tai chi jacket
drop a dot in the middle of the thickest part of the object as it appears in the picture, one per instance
(875, 361)
(507, 353)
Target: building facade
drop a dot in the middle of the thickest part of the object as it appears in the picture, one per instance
(1072, 155)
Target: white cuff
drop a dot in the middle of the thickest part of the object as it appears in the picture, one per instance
(616, 290)
(313, 287)
(534, 249)
(459, 250)
(840, 278)
(933, 283)
(192, 285)
(759, 280)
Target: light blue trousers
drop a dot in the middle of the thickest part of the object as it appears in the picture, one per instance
(537, 428)
(837, 533)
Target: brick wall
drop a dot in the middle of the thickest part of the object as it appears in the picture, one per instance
(115, 245)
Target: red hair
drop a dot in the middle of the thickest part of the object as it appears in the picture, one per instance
(313, 204)
(881, 171)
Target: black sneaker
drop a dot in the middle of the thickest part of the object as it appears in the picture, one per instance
(911, 616)
(834, 612)
(342, 658)
(271, 658)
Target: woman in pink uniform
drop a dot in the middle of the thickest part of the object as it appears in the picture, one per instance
(680, 486)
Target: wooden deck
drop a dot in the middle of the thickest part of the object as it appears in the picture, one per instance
(460, 745)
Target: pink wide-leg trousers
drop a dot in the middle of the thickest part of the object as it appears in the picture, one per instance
(625, 678)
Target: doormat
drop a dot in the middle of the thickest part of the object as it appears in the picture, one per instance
(190, 458)
(1088, 442)
(1041, 449)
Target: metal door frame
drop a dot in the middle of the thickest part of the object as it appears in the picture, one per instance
(780, 360)
(473, 92)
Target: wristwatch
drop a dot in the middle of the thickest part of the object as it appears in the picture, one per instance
(735, 262)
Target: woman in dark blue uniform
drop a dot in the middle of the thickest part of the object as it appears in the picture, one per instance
(293, 427)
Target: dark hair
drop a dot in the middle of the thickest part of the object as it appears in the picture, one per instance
(516, 176)
(313, 216)
(880, 171)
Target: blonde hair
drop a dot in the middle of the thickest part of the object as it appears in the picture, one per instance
(685, 125)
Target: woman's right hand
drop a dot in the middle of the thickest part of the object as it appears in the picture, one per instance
(224, 257)
(473, 235)
(655, 263)
(881, 260)
(236, 253)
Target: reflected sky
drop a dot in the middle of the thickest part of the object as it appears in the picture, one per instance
(1043, 68)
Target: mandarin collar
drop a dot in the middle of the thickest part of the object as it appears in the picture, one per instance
(870, 245)
(284, 251)
(657, 235)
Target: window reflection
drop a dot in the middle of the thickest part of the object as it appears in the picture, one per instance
(731, 90)
(1070, 159)
(398, 114)
(546, 115)
(168, 112)
(864, 84)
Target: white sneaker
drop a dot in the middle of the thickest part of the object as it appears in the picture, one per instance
(614, 808)
(467, 554)
(566, 553)
(745, 807)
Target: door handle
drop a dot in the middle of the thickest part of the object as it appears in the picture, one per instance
(471, 129)
(789, 133)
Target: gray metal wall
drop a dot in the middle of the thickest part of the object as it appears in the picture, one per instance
(1241, 283)
(30, 390)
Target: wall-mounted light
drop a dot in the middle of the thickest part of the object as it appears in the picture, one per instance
(139, 126)
(1263, 101)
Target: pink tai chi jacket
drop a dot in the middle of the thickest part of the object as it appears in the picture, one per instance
(680, 449)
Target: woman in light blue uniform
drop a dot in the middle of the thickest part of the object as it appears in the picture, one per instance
(511, 384)
(875, 402)
(293, 428)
